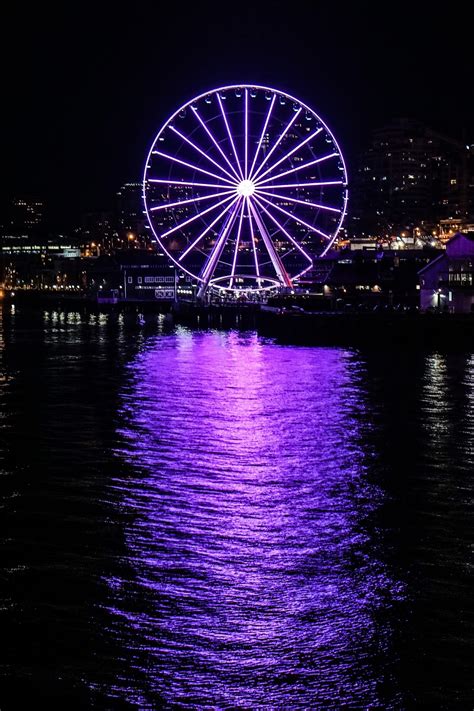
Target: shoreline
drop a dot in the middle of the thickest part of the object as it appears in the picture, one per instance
(319, 328)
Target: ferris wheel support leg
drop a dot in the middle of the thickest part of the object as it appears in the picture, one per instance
(211, 263)
(276, 261)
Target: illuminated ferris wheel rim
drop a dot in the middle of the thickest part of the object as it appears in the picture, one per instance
(245, 187)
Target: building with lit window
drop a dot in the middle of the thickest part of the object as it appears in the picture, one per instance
(367, 278)
(411, 177)
(21, 221)
(447, 282)
(130, 209)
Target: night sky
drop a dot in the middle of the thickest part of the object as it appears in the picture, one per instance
(85, 90)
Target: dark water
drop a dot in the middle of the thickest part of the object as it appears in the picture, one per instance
(209, 520)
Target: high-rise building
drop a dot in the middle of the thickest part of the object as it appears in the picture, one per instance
(27, 214)
(21, 219)
(130, 209)
(410, 176)
(470, 181)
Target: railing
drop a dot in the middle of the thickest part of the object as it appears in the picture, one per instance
(457, 280)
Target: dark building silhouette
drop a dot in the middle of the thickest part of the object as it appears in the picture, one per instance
(410, 177)
(21, 220)
(98, 232)
(130, 209)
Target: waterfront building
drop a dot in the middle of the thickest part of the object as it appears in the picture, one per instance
(139, 275)
(367, 278)
(146, 276)
(447, 282)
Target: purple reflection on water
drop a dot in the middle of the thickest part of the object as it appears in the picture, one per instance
(256, 581)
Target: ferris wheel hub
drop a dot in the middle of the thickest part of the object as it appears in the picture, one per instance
(246, 188)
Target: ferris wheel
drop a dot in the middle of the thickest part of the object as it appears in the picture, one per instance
(243, 187)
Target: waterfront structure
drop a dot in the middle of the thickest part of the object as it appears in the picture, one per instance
(138, 275)
(447, 282)
(243, 187)
(146, 276)
(410, 179)
(367, 278)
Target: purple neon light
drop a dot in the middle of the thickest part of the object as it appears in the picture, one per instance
(230, 135)
(219, 246)
(195, 217)
(294, 170)
(275, 146)
(263, 133)
(280, 227)
(209, 227)
(192, 166)
(175, 130)
(297, 219)
(251, 169)
(257, 268)
(310, 184)
(246, 131)
(300, 202)
(211, 136)
(237, 242)
(258, 277)
(276, 261)
(165, 181)
(290, 153)
(300, 274)
(191, 200)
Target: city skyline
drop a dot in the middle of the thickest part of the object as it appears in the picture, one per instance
(422, 178)
(85, 99)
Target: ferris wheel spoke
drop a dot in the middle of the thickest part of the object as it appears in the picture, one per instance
(277, 143)
(188, 183)
(300, 274)
(246, 132)
(299, 202)
(228, 166)
(165, 206)
(193, 167)
(199, 150)
(230, 136)
(195, 217)
(299, 167)
(209, 227)
(262, 134)
(215, 254)
(237, 242)
(296, 218)
(309, 184)
(285, 232)
(211, 136)
(290, 153)
(276, 261)
(257, 267)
